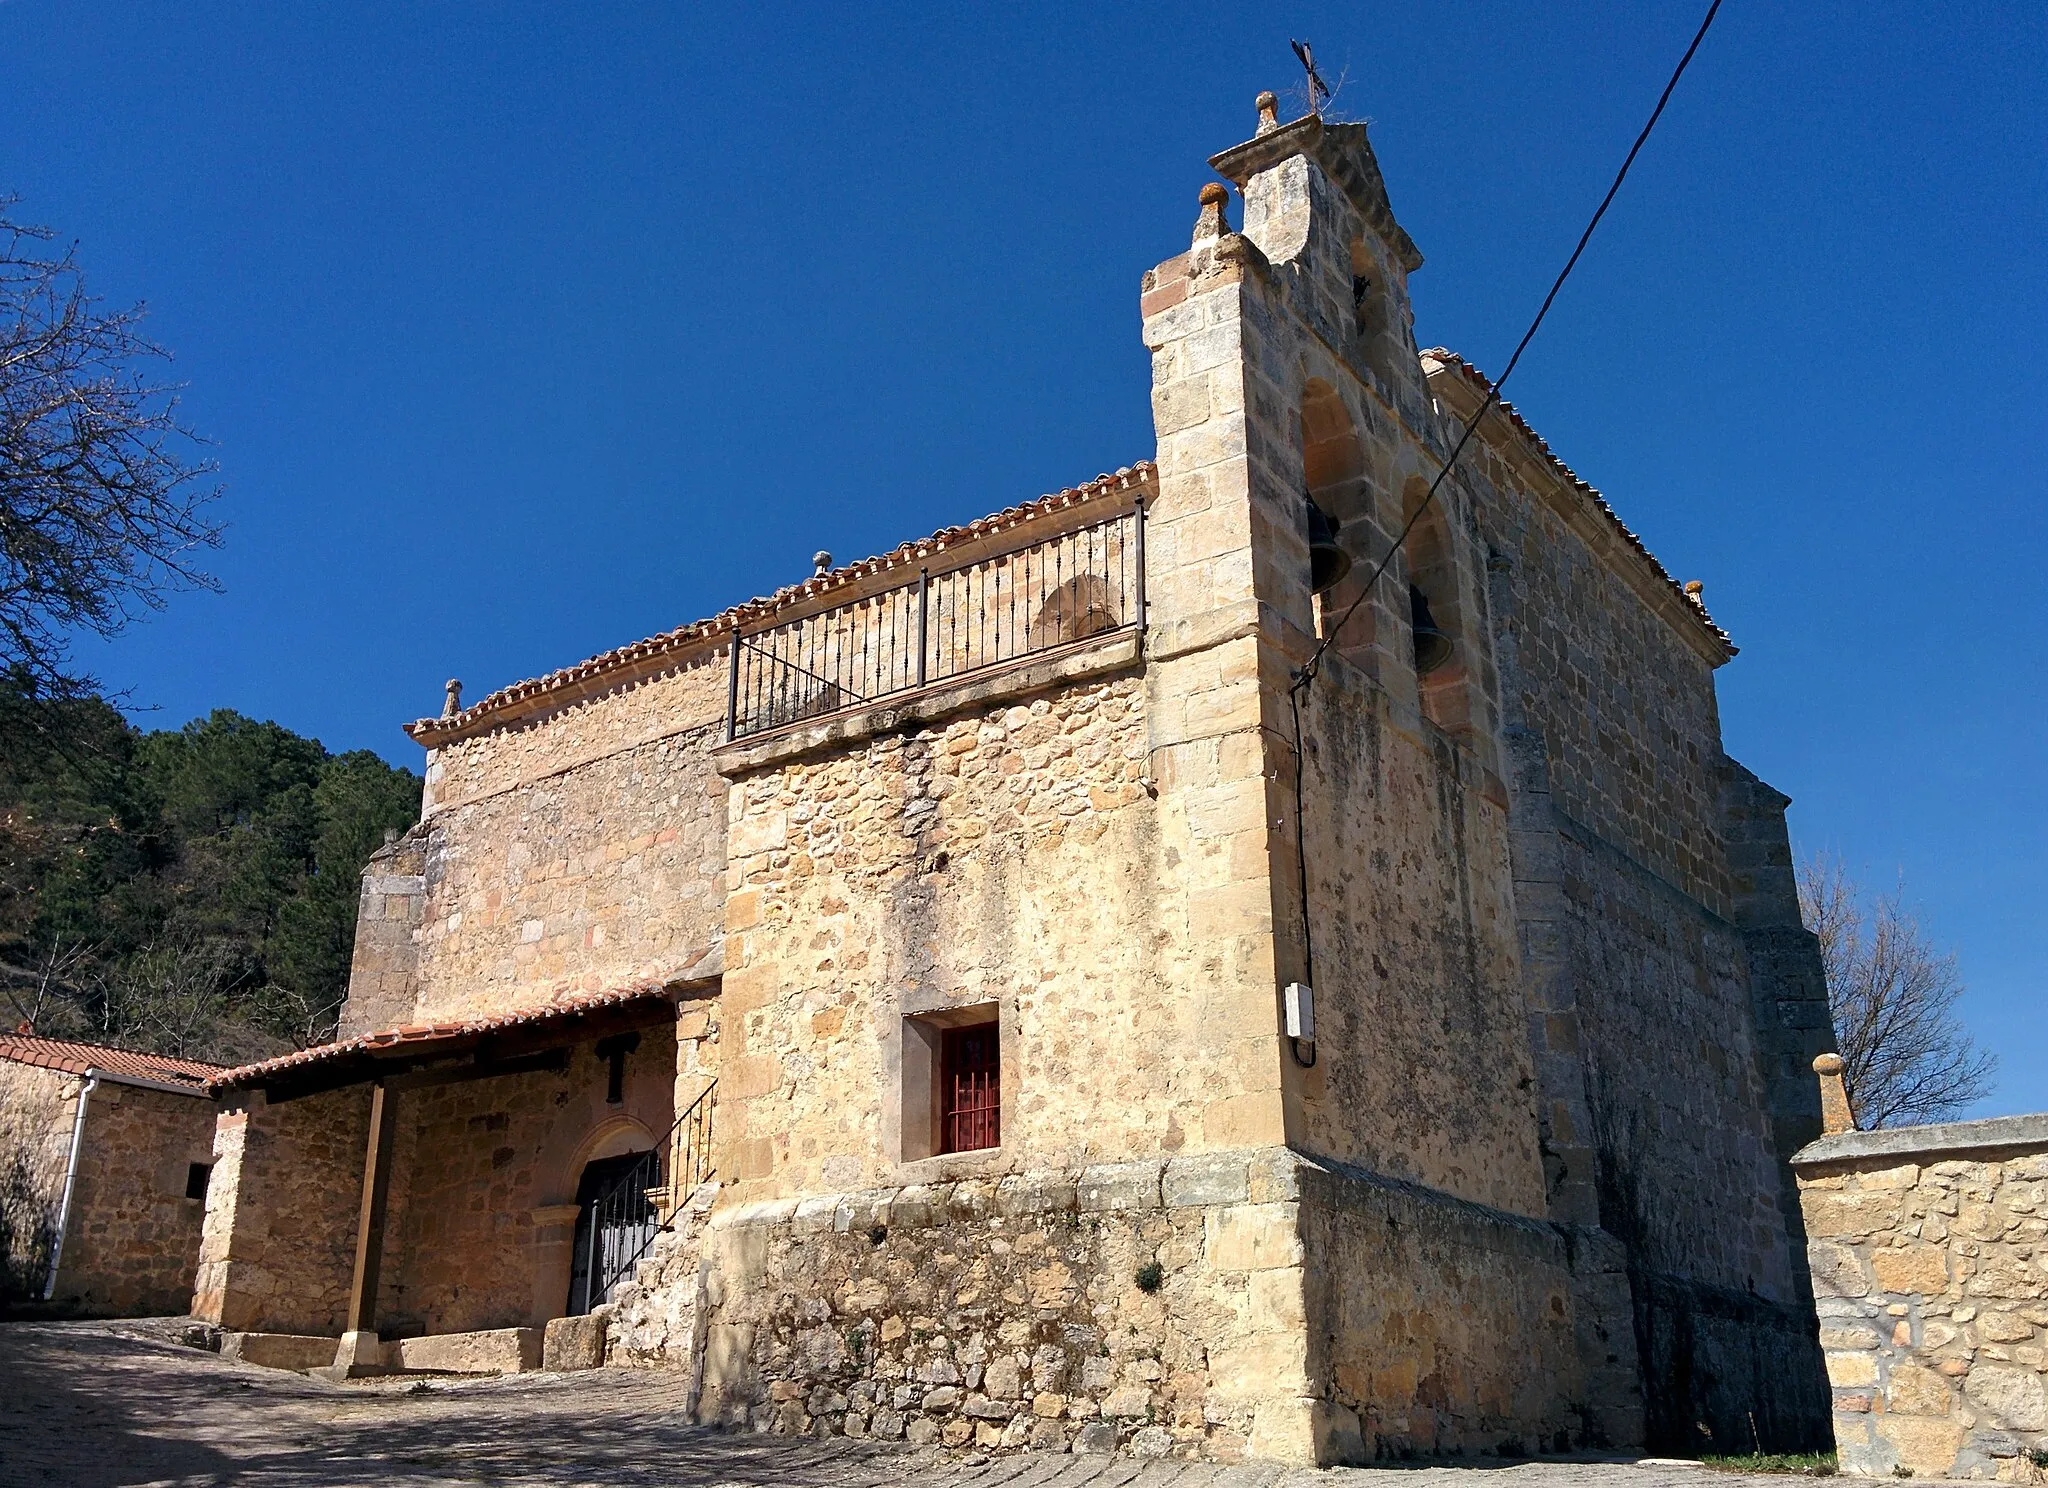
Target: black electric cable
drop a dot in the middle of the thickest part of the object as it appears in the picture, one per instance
(1308, 670)
(1303, 678)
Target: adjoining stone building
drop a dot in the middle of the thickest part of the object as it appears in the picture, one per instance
(107, 1154)
(1105, 1043)
(1929, 1249)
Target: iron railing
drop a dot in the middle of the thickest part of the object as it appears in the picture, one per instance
(624, 1220)
(943, 625)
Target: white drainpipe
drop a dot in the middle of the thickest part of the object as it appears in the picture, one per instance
(92, 1083)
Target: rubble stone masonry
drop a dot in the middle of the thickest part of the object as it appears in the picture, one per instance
(569, 853)
(35, 1142)
(132, 1239)
(1929, 1250)
(279, 1240)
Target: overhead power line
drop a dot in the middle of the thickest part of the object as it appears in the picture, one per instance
(1307, 673)
(1306, 676)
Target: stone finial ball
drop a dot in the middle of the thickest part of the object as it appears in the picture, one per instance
(1827, 1064)
(1695, 588)
(1215, 194)
(1267, 101)
(821, 561)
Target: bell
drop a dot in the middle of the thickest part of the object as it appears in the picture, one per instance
(1432, 646)
(1327, 563)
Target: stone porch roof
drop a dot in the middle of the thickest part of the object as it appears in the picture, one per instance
(73, 1058)
(616, 665)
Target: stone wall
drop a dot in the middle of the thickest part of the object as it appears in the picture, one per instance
(1422, 1068)
(1156, 1309)
(1448, 1327)
(1929, 1249)
(133, 1237)
(572, 851)
(1010, 857)
(1686, 1167)
(1622, 694)
(1152, 1308)
(35, 1145)
(481, 1166)
(133, 1240)
(383, 975)
(278, 1248)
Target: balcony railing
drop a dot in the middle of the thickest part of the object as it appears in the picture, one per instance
(944, 625)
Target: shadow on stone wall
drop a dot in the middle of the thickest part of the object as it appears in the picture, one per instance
(1726, 1373)
(27, 1231)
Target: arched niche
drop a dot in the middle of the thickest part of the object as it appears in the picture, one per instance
(1432, 564)
(1383, 338)
(1085, 605)
(1333, 477)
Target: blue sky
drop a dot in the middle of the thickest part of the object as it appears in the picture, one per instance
(525, 331)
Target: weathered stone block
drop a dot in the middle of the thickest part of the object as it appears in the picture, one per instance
(2016, 1398)
(1096, 1439)
(491, 1351)
(1207, 1179)
(1113, 1186)
(1911, 1268)
(574, 1342)
(296, 1351)
(1254, 1237)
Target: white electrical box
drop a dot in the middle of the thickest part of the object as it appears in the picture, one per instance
(1300, 1003)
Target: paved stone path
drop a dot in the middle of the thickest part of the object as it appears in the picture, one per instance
(110, 1405)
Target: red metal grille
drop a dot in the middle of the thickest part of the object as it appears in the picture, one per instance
(972, 1087)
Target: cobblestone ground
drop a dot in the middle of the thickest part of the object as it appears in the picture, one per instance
(107, 1405)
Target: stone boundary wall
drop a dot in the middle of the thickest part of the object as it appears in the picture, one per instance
(1027, 1313)
(1929, 1251)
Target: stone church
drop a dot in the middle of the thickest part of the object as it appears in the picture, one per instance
(976, 995)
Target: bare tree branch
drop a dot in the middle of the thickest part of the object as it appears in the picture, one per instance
(102, 511)
(1906, 1056)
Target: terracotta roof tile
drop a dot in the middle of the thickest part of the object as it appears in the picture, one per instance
(76, 1059)
(423, 1037)
(434, 731)
(1480, 380)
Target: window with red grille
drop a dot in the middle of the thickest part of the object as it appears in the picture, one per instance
(970, 1089)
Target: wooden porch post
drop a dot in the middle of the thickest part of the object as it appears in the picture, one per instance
(362, 1292)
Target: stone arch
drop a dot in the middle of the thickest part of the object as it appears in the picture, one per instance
(1332, 455)
(1085, 605)
(1432, 570)
(1334, 478)
(609, 1136)
(1378, 299)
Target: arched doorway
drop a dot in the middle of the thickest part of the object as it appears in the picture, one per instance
(615, 1222)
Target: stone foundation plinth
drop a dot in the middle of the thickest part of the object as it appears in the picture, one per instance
(1233, 1305)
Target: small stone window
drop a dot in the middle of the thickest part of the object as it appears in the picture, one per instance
(952, 1082)
(197, 1175)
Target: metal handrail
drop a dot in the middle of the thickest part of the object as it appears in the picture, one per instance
(688, 1145)
(946, 624)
